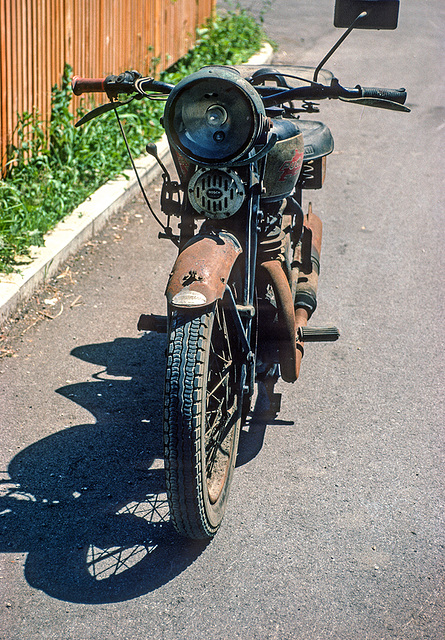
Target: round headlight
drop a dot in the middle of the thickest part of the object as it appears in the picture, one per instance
(214, 115)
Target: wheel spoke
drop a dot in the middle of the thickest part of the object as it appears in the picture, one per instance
(225, 373)
(214, 445)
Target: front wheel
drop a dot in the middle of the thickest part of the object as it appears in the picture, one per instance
(202, 416)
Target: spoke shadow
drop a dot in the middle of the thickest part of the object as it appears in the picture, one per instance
(88, 504)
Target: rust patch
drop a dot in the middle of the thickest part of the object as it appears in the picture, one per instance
(287, 330)
(204, 266)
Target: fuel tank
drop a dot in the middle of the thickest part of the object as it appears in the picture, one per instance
(284, 161)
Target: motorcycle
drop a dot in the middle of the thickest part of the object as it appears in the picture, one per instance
(244, 284)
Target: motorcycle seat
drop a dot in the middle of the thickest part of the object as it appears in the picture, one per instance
(318, 140)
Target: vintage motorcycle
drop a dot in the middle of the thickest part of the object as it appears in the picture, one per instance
(244, 284)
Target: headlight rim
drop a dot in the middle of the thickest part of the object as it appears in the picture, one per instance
(232, 77)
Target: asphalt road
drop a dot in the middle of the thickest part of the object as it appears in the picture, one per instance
(335, 524)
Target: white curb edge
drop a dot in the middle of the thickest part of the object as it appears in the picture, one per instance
(84, 222)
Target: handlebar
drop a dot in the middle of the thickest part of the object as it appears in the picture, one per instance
(317, 91)
(396, 95)
(87, 85)
(127, 82)
(132, 82)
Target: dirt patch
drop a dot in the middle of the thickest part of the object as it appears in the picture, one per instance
(61, 293)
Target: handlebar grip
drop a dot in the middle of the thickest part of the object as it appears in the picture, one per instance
(395, 95)
(87, 85)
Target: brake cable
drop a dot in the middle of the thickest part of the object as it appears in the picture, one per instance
(147, 201)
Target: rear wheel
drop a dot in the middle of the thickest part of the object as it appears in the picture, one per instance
(202, 415)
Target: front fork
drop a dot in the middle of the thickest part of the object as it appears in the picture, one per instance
(242, 309)
(248, 310)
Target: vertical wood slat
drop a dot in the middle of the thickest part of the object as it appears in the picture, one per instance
(95, 37)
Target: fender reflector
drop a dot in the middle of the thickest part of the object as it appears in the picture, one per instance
(187, 298)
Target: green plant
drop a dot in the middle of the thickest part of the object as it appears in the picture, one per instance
(50, 174)
(230, 38)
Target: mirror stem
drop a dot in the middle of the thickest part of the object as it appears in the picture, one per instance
(338, 43)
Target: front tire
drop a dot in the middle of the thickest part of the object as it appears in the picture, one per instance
(202, 416)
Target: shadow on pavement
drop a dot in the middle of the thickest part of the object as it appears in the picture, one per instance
(88, 504)
(253, 432)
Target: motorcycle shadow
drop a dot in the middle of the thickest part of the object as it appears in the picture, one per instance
(88, 504)
(254, 430)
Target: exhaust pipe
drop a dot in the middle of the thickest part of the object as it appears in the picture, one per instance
(306, 265)
(304, 275)
(287, 328)
(297, 302)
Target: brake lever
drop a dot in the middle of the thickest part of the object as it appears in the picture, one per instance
(101, 109)
(377, 102)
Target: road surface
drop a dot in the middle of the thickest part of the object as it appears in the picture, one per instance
(335, 523)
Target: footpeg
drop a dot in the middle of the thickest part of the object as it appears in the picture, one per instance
(318, 334)
(152, 322)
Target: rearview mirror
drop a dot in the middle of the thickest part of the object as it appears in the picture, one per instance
(381, 14)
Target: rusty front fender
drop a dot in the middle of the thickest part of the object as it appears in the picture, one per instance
(202, 270)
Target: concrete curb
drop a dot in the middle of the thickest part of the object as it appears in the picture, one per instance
(73, 231)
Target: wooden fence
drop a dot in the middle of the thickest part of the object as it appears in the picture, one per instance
(96, 37)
